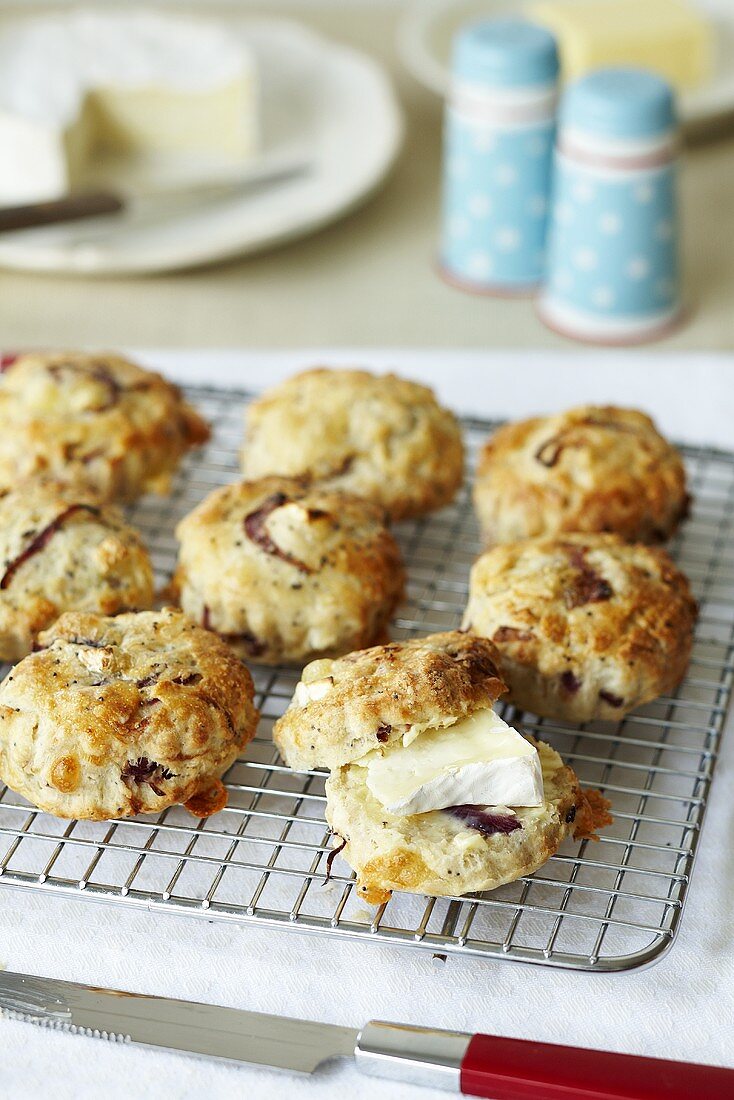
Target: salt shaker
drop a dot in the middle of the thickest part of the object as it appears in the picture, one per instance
(498, 148)
(613, 272)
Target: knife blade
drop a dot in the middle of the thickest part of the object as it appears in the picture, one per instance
(187, 1026)
(476, 1065)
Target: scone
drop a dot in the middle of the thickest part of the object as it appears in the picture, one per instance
(286, 572)
(343, 709)
(61, 551)
(429, 790)
(458, 849)
(118, 716)
(96, 419)
(379, 436)
(586, 626)
(588, 469)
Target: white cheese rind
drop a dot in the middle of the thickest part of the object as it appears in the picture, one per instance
(479, 760)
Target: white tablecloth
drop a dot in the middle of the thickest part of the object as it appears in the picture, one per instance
(683, 1007)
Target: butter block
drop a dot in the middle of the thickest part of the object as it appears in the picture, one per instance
(671, 37)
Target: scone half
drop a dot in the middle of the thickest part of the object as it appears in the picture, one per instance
(456, 850)
(345, 708)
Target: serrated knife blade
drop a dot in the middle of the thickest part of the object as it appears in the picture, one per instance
(477, 1065)
(195, 1028)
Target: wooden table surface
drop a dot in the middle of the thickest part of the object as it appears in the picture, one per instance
(368, 279)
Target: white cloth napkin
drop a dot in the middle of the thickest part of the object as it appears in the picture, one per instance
(681, 1008)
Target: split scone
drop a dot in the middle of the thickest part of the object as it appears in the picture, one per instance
(61, 551)
(97, 419)
(285, 572)
(429, 791)
(468, 846)
(119, 716)
(594, 468)
(586, 626)
(380, 436)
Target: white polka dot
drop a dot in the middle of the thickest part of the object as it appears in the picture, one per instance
(484, 141)
(664, 231)
(458, 226)
(563, 279)
(538, 205)
(585, 259)
(506, 175)
(583, 191)
(458, 168)
(480, 264)
(537, 146)
(644, 192)
(479, 206)
(563, 213)
(638, 267)
(603, 296)
(508, 238)
(610, 223)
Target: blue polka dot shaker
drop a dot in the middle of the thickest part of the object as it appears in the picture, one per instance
(613, 273)
(498, 151)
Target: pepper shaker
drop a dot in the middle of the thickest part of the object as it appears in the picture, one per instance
(613, 271)
(498, 147)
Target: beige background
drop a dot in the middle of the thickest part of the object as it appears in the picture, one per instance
(367, 279)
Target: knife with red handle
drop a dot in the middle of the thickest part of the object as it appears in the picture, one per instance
(477, 1065)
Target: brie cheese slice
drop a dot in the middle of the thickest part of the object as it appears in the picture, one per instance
(479, 761)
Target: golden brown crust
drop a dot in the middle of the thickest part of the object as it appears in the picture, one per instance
(586, 626)
(288, 572)
(433, 853)
(375, 694)
(594, 468)
(126, 715)
(592, 813)
(380, 436)
(93, 419)
(61, 551)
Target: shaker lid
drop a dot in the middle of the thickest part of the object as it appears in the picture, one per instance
(505, 53)
(619, 103)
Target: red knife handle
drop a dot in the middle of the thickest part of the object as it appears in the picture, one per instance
(515, 1069)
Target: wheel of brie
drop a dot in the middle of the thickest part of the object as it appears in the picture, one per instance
(86, 85)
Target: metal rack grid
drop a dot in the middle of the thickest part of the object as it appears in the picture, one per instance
(607, 905)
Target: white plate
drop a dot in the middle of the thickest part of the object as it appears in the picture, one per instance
(319, 98)
(430, 25)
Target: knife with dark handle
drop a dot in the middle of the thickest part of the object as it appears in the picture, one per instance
(70, 208)
(159, 194)
(476, 1065)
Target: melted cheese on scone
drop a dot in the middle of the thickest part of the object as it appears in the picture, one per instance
(478, 760)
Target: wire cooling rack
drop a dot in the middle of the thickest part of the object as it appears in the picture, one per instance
(606, 905)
